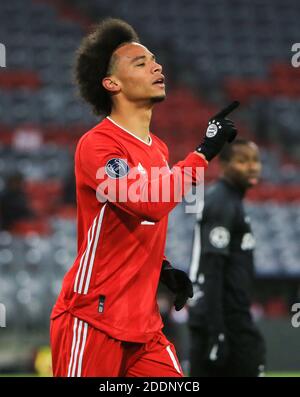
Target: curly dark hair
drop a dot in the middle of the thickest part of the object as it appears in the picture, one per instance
(94, 61)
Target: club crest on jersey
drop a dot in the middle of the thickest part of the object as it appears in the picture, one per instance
(141, 169)
(219, 237)
(116, 168)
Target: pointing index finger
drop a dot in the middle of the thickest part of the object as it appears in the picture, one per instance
(224, 112)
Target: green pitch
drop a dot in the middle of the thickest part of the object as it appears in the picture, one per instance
(283, 374)
(268, 374)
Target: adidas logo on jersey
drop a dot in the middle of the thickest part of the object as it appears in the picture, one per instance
(141, 169)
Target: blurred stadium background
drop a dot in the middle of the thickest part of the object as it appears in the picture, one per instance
(212, 51)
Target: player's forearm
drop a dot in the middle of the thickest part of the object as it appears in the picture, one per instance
(152, 198)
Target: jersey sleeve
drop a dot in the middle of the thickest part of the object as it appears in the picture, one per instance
(114, 178)
(216, 227)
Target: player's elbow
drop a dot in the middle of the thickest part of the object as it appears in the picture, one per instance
(151, 218)
(158, 216)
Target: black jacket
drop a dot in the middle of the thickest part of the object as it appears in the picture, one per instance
(222, 263)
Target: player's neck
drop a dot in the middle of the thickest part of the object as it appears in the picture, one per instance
(237, 187)
(137, 121)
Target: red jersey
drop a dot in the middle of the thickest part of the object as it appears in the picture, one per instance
(113, 282)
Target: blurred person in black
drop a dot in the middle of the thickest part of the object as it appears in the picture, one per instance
(13, 203)
(224, 338)
(69, 189)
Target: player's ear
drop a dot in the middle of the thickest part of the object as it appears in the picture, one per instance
(111, 84)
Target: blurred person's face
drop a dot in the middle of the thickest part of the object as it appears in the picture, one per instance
(244, 167)
(136, 76)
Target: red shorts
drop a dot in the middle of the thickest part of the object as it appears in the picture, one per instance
(79, 349)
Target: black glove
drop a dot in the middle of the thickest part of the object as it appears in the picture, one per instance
(178, 282)
(219, 131)
(217, 350)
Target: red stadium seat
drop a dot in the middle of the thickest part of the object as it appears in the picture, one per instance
(24, 228)
(19, 79)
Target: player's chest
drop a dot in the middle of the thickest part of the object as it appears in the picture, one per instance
(243, 239)
(148, 160)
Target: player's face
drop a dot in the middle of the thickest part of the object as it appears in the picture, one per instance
(244, 168)
(138, 74)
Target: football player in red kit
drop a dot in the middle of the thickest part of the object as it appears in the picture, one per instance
(106, 321)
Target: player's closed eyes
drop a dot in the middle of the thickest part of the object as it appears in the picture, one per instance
(241, 160)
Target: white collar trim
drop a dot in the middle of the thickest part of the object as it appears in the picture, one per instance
(130, 133)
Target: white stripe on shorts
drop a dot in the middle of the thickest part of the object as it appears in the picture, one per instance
(82, 349)
(73, 346)
(171, 354)
(76, 349)
(75, 359)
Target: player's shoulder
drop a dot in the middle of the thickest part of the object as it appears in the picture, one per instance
(219, 199)
(101, 134)
(216, 191)
(220, 190)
